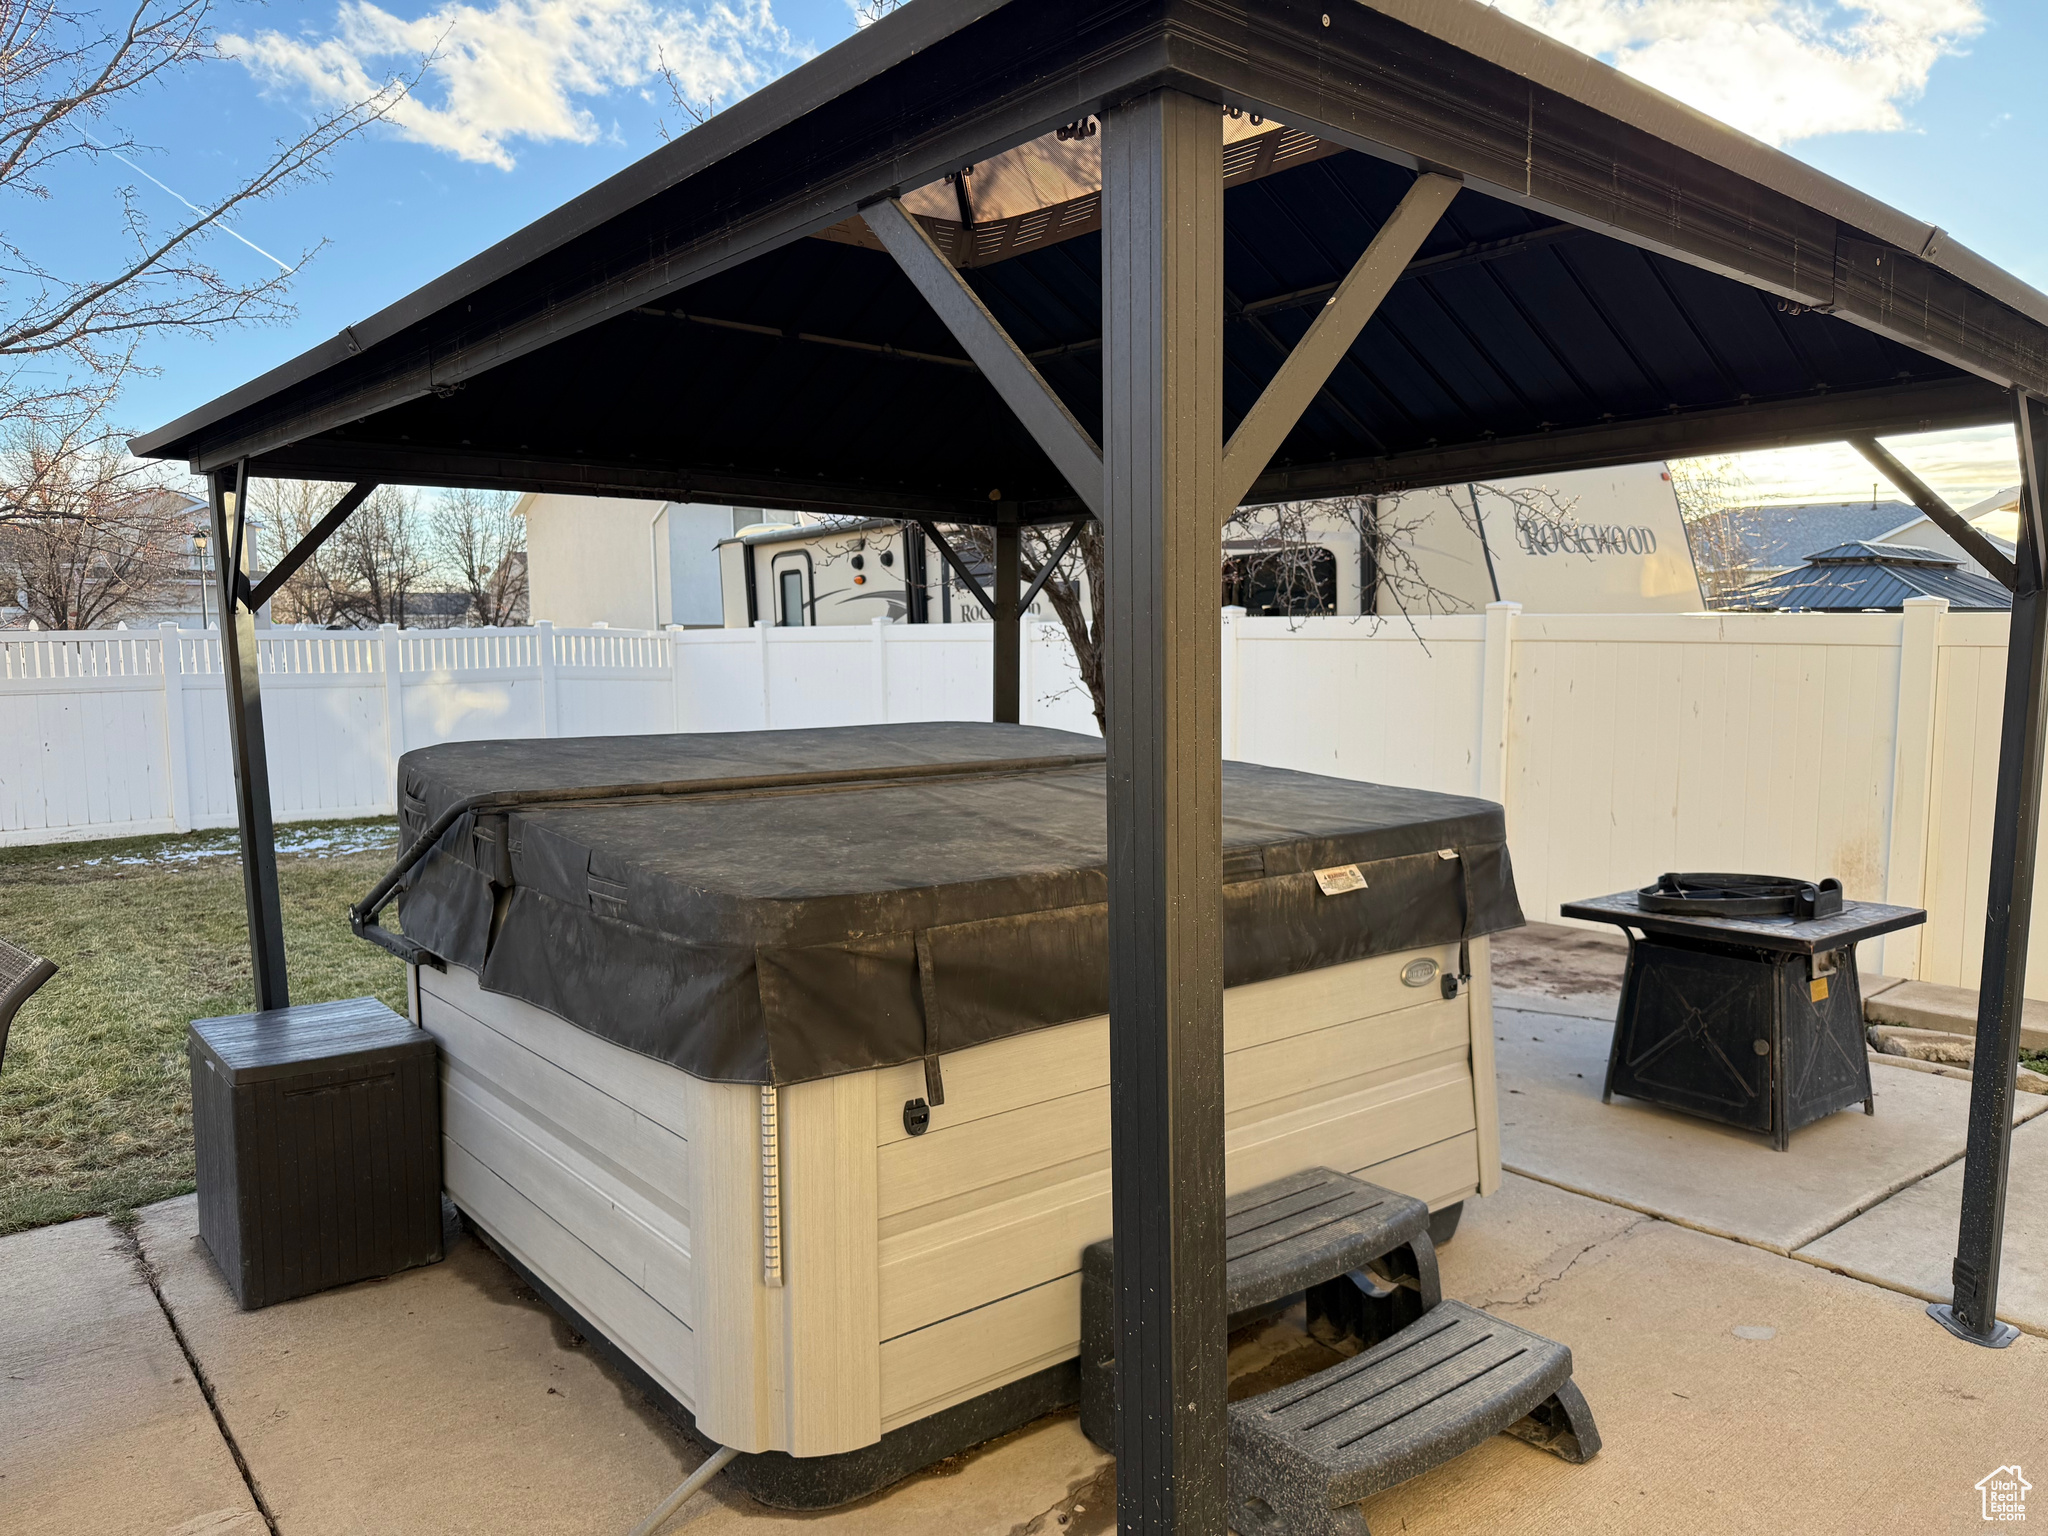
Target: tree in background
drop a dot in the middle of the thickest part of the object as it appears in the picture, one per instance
(1074, 589)
(1720, 524)
(481, 545)
(69, 338)
(382, 556)
(398, 558)
(287, 511)
(90, 537)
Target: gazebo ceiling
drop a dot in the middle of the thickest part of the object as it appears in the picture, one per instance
(1620, 279)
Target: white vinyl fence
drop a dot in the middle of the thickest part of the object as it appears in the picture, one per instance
(113, 733)
(1860, 745)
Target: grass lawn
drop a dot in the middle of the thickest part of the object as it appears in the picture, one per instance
(148, 933)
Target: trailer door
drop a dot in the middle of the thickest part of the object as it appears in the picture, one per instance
(789, 595)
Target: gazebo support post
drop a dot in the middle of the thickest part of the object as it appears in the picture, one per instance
(2015, 829)
(238, 661)
(1162, 158)
(1008, 620)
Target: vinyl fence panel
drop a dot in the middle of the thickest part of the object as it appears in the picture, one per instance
(1858, 745)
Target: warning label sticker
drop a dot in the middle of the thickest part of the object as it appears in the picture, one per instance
(1339, 879)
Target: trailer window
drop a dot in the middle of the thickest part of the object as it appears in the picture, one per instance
(1280, 582)
(793, 597)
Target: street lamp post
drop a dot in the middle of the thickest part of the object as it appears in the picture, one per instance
(199, 548)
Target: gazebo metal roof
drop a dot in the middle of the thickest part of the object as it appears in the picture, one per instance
(1621, 279)
(1861, 576)
(1458, 250)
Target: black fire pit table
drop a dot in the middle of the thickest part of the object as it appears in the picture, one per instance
(1752, 1020)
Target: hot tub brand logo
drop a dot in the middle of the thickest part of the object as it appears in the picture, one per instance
(2005, 1495)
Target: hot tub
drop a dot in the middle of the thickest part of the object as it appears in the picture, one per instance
(788, 1074)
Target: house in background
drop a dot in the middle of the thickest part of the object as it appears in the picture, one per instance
(626, 564)
(191, 600)
(1758, 543)
(1997, 516)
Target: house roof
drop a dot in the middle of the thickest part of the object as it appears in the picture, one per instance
(1985, 519)
(1773, 538)
(1865, 575)
(1621, 279)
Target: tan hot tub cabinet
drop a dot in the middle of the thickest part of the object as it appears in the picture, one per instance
(787, 1260)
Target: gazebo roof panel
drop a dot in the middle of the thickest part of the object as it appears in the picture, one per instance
(1555, 351)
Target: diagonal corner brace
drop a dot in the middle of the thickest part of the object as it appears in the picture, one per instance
(1309, 366)
(287, 567)
(1023, 388)
(1939, 512)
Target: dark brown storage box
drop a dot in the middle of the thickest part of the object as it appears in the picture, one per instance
(318, 1132)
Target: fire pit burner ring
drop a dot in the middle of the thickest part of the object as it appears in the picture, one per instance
(1710, 895)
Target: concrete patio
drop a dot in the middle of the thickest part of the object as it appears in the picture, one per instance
(1748, 1326)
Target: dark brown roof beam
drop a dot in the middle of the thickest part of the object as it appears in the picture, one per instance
(1939, 512)
(1470, 256)
(779, 334)
(1818, 418)
(1475, 254)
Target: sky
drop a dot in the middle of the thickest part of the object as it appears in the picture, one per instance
(1930, 105)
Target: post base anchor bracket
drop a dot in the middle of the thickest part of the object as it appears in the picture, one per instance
(2001, 1334)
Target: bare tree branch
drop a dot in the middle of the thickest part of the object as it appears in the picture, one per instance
(90, 536)
(481, 546)
(698, 112)
(62, 75)
(1719, 524)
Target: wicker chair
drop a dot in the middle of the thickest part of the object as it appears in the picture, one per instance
(20, 974)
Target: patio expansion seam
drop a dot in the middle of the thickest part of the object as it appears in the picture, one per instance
(131, 1238)
(2036, 1329)
(1736, 1237)
(1860, 1276)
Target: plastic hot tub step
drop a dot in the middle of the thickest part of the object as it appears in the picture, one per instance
(1302, 1456)
(1315, 1232)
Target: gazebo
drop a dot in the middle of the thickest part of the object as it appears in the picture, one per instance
(1188, 257)
(1864, 576)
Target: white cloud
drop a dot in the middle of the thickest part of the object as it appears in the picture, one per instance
(521, 69)
(1777, 69)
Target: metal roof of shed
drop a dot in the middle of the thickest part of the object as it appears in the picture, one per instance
(1621, 279)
